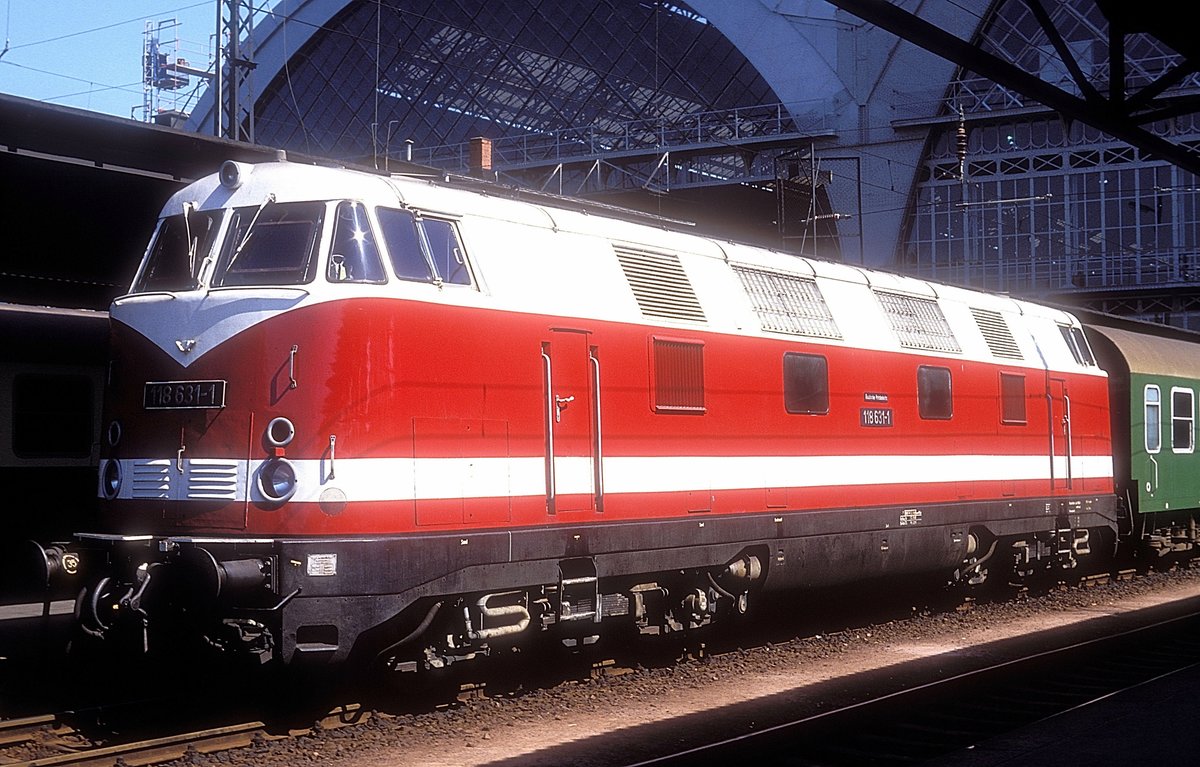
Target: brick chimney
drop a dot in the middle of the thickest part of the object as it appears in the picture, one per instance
(481, 157)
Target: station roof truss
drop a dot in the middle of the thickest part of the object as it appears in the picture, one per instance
(1117, 93)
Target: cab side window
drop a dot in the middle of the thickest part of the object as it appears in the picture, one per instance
(404, 245)
(354, 257)
(446, 251)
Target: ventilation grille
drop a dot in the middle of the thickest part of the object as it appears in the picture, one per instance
(997, 334)
(202, 478)
(659, 284)
(209, 478)
(787, 303)
(678, 376)
(918, 322)
(152, 479)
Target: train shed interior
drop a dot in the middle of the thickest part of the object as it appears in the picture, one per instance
(81, 192)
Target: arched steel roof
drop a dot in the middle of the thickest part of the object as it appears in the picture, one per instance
(333, 75)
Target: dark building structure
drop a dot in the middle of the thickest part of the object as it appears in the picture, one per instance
(1046, 149)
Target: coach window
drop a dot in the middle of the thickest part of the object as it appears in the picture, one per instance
(354, 257)
(805, 383)
(933, 393)
(1183, 417)
(1153, 404)
(1012, 398)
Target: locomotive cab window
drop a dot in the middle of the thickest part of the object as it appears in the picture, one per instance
(354, 257)
(1078, 345)
(178, 252)
(445, 250)
(1183, 421)
(399, 229)
(1153, 409)
(271, 244)
(934, 400)
(1012, 398)
(805, 383)
(423, 249)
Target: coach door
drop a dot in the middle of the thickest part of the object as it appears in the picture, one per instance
(1061, 449)
(571, 390)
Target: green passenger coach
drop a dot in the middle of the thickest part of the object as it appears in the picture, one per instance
(1155, 382)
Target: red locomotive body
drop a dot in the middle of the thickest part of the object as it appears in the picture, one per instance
(399, 420)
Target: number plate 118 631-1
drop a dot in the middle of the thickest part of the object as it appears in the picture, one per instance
(183, 395)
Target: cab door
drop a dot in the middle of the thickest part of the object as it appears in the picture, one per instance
(571, 391)
(1061, 447)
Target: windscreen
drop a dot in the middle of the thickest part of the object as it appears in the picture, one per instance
(178, 251)
(275, 244)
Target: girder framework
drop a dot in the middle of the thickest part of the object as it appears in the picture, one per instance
(710, 148)
(1123, 99)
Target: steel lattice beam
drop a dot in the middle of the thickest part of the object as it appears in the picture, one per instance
(1118, 114)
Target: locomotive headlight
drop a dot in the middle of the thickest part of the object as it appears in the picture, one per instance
(114, 433)
(110, 478)
(277, 479)
(232, 173)
(280, 432)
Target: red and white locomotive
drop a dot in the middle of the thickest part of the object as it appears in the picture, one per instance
(397, 419)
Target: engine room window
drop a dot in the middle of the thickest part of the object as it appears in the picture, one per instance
(1012, 398)
(52, 416)
(678, 376)
(805, 383)
(1183, 417)
(446, 251)
(403, 244)
(178, 252)
(1153, 405)
(934, 399)
(354, 257)
(275, 244)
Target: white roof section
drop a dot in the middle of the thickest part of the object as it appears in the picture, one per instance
(573, 262)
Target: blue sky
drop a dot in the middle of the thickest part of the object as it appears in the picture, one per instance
(88, 53)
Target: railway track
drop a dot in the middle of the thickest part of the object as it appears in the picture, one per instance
(88, 737)
(934, 719)
(48, 734)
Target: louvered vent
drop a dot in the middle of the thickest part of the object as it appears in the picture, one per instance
(787, 303)
(918, 322)
(213, 479)
(997, 334)
(202, 478)
(152, 478)
(659, 284)
(678, 376)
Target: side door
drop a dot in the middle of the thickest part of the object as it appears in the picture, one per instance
(570, 387)
(1061, 447)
